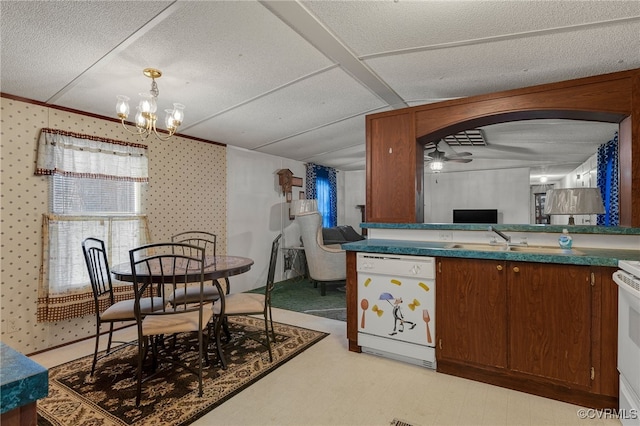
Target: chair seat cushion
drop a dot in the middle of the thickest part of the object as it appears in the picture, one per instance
(241, 303)
(124, 310)
(210, 293)
(175, 323)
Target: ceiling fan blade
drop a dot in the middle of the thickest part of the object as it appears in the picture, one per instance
(436, 155)
(510, 149)
(460, 154)
(458, 160)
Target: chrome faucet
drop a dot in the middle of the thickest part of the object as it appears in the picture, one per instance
(502, 235)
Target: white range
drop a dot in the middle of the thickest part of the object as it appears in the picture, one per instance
(628, 280)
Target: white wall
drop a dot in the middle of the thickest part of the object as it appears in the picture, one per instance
(506, 190)
(257, 212)
(355, 184)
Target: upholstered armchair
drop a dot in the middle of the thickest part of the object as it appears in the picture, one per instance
(327, 264)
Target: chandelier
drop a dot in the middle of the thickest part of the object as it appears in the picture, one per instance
(146, 111)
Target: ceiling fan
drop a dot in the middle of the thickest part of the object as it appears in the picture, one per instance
(440, 157)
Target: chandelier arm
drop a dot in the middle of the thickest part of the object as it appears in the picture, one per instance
(139, 131)
(155, 132)
(152, 128)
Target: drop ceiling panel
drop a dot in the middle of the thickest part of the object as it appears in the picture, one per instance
(502, 65)
(329, 141)
(347, 159)
(46, 44)
(374, 27)
(213, 55)
(307, 104)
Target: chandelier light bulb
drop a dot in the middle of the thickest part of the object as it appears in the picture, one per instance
(147, 104)
(122, 107)
(543, 179)
(178, 114)
(169, 121)
(141, 121)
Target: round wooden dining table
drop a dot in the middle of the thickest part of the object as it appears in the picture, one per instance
(215, 267)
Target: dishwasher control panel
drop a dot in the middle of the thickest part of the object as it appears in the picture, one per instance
(400, 265)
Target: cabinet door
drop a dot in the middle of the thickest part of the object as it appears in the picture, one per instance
(471, 311)
(550, 321)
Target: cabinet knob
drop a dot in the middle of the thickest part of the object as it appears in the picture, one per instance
(499, 267)
(516, 269)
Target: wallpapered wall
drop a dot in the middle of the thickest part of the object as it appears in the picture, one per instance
(187, 191)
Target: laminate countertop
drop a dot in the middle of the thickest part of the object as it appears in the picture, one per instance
(576, 256)
(22, 381)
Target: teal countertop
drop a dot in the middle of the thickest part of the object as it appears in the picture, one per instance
(582, 256)
(22, 381)
(575, 229)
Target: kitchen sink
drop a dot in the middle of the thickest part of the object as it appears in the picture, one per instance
(479, 247)
(514, 248)
(543, 250)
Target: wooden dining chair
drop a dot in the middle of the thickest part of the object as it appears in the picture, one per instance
(170, 267)
(106, 308)
(249, 304)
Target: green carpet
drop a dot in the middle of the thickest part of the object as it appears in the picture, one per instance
(299, 295)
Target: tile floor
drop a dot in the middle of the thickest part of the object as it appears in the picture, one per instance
(328, 385)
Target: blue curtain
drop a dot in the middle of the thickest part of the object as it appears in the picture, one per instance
(321, 185)
(608, 182)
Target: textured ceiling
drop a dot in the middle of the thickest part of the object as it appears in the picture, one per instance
(296, 78)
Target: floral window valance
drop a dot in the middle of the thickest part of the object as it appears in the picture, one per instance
(78, 155)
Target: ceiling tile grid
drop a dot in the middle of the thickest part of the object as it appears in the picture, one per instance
(312, 102)
(45, 45)
(375, 27)
(508, 64)
(327, 142)
(296, 79)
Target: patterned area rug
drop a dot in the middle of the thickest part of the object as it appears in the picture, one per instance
(108, 398)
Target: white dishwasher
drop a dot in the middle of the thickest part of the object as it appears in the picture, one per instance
(396, 307)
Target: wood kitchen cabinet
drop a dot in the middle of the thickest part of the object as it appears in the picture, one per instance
(395, 169)
(550, 309)
(546, 329)
(471, 311)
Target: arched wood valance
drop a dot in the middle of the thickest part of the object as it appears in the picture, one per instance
(395, 138)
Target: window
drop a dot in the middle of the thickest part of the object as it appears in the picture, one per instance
(96, 191)
(321, 185)
(72, 195)
(84, 207)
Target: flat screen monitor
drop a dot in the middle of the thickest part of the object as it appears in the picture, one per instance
(475, 216)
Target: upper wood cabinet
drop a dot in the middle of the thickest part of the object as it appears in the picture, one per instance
(395, 163)
(395, 178)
